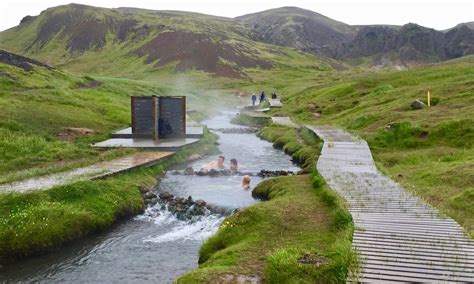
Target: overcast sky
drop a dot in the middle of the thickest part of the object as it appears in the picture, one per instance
(430, 13)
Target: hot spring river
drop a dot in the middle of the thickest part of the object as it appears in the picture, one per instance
(156, 246)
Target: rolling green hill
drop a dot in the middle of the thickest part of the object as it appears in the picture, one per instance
(136, 43)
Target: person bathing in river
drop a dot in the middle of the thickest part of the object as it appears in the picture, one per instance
(234, 166)
(216, 164)
(246, 182)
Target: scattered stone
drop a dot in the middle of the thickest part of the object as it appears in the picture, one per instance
(144, 189)
(314, 259)
(183, 208)
(149, 195)
(391, 126)
(214, 173)
(317, 114)
(417, 104)
(165, 195)
(190, 201)
(268, 173)
(194, 157)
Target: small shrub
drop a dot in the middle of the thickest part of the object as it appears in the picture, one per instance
(362, 121)
(400, 135)
(435, 101)
(380, 90)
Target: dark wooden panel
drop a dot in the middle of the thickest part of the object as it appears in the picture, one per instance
(171, 117)
(142, 115)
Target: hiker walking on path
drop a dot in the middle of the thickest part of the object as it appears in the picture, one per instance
(254, 99)
(262, 97)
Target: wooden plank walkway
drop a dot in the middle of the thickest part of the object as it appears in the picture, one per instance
(285, 121)
(191, 132)
(97, 171)
(275, 103)
(398, 236)
(167, 144)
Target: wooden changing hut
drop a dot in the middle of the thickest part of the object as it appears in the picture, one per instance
(158, 117)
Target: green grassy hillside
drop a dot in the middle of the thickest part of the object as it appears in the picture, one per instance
(144, 44)
(429, 151)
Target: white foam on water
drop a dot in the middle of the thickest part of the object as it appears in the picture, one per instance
(157, 215)
(198, 229)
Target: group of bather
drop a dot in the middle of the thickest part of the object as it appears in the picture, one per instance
(217, 167)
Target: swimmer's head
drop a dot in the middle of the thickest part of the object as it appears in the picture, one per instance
(233, 164)
(220, 161)
(246, 181)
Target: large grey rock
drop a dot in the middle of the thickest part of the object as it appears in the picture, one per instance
(417, 104)
(200, 203)
(149, 195)
(166, 195)
(194, 157)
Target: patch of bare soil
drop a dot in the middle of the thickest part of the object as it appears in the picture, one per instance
(90, 84)
(197, 51)
(82, 29)
(19, 61)
(71, 133)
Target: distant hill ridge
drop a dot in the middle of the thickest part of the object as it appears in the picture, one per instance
(72, 34)
(315, 33)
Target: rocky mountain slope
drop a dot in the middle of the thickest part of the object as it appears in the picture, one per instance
(382, 45)
(105, 41)
(84, 38)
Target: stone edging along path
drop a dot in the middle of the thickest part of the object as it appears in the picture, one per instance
(397, 235)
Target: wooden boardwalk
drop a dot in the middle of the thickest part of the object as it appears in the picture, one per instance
(275, 103)
(398, 236)
(100, 170)
(285, 121)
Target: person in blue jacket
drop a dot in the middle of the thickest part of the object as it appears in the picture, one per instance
(262, 97)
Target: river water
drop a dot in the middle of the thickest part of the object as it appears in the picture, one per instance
(156, 246)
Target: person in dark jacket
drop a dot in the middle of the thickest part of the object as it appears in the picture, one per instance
(262, 97)
(254, 99)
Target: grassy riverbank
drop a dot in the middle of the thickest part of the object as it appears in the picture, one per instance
(40, 221)
(301, 232)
